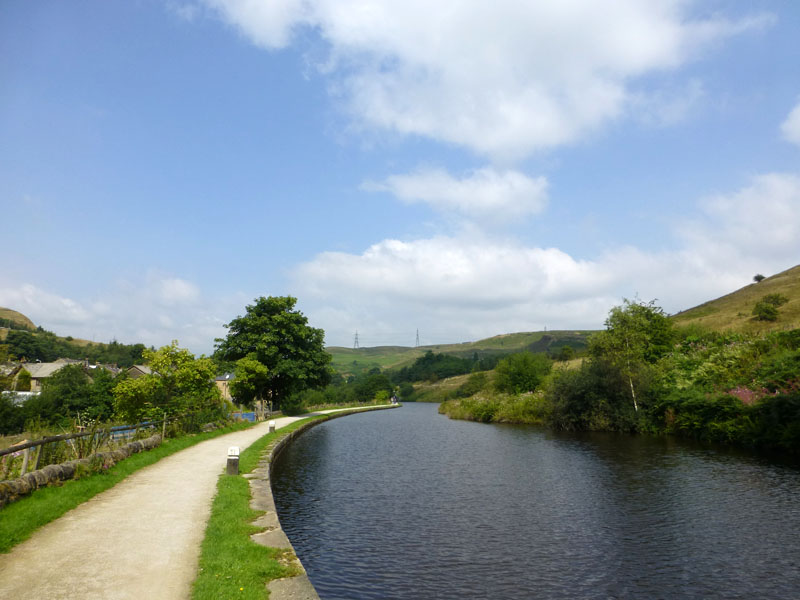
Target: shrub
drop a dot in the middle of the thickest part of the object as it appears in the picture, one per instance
(474, 384)
(764, 311)
(521, 372)
(23, 381)
(776, 300)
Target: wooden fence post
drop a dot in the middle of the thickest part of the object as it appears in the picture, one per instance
(39, 450)
(26, 454)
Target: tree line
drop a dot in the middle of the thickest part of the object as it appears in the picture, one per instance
(272, 349)
(44, 346)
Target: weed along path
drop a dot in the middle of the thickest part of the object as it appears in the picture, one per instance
(139, 539)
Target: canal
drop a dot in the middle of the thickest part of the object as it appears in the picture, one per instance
(406, 503)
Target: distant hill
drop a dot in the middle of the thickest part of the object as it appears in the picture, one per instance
(11, 319)
(734, 312)
(350, 361)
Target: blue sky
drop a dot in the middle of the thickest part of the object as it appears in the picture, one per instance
(461, 168)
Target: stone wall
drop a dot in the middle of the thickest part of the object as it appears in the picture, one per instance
(15, 489)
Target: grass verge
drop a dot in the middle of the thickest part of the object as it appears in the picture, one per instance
(20, 519)
(231, 564)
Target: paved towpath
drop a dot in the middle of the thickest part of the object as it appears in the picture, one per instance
(140, 539)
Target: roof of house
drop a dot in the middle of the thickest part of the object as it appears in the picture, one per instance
(142, 368)
(225, 377)
(41, 370)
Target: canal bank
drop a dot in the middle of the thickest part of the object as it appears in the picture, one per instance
(292, 582)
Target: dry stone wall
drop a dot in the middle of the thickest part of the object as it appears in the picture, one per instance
(15, 489)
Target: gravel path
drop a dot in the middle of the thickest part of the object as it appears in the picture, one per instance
(140, 539)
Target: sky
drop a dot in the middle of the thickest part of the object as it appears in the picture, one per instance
(462, 169)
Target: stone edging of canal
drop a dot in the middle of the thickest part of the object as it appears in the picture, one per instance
(300, 586)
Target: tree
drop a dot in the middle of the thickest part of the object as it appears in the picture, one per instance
(23, 381)
(251, 382)
(12, 416)
(565, 353)
(279, 337)
(637, 334)
(758, 278)
(522, 372)
(179, 383)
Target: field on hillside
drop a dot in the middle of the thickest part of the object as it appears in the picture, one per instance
(353, 361)
(734, 312)
(6, 314)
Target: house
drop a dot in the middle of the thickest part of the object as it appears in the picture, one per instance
(223, 382)
(137, 371)
(40, 371)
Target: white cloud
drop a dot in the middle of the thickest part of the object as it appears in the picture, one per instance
(483, 194)
(504, 78)
(757, 223)
(173, 291)
(37, 304)
(267, 24)
(790, 128)
(461, 288)
(152, 308)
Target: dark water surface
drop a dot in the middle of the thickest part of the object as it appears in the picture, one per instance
(406, 503)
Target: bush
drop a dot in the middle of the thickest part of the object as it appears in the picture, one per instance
(521, 372)
(594, 397)
(406, 392)
(23, 381)
(12, 416)
(764, 311)
(474, 384)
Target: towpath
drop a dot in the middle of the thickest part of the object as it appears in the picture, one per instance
(139, 539)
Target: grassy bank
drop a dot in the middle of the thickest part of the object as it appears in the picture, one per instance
(20, 519)
(232, 564)
(528, 409)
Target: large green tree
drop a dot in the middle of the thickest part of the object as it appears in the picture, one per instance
(637, 334)
(278, 336)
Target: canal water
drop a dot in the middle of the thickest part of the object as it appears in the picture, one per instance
(406, 503)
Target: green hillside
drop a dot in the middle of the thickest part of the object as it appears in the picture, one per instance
(734, 312)
(350, 361)
(14, 320)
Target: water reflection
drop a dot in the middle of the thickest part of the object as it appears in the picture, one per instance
(408, 504)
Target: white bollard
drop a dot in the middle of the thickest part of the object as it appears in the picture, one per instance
(233, 461)
(272, 426)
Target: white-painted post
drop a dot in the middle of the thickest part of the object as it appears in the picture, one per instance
(272, 426)
(233, 461)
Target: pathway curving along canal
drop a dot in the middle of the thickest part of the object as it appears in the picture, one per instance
(409, 504)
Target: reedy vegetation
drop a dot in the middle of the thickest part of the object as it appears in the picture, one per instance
(644, 375)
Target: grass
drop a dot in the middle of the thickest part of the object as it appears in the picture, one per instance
(17, 317)
(231, 564)
(734, 312)
(350, 361)
(19, 520)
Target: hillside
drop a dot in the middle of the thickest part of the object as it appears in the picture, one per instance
(14, 320)
(350, 361)
(734, 312)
